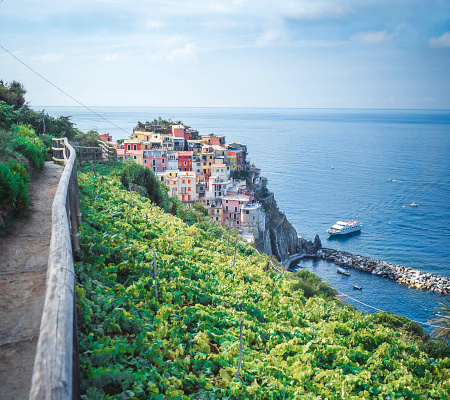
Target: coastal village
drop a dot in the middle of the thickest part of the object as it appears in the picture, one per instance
(203, 169)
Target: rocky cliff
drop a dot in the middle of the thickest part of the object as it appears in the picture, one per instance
(279, 238)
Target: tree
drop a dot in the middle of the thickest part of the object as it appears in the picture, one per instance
(442, 321)
(13, 94)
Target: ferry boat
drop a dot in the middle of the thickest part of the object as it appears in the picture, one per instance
(342, 228)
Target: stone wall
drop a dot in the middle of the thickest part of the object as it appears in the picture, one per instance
(411, 277)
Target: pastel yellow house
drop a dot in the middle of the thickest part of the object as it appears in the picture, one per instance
(167, 142)
(171, 181)
(141, 135)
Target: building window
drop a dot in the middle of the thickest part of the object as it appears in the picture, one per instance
(226, 208)
(235, 209)
(129, 147)
(189, 189)
(162, 161)
(154, 162)
(134, 147)
(135, 157)
(237, 222)
(189, 197)
(246, 211)
(183, 180)
(189, 181)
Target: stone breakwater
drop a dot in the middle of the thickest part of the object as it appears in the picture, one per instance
(411, 277)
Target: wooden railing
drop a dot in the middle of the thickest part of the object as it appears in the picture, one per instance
(95, 154)
(56, 367)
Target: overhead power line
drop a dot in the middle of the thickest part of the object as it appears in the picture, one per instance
(374, 308)
(62, 91)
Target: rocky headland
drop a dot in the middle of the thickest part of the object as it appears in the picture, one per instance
(277, 237)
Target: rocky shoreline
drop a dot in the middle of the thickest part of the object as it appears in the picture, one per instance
(408, 276)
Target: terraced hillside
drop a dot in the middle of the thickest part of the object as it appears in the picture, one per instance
(185, 344)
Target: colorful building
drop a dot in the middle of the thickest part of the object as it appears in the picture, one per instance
(232, 205)
(180, 131)
(171, 181)
(207, 160)
(187, 186)
(185, 160)
(156, 160)
(214, 140)
(106, 137)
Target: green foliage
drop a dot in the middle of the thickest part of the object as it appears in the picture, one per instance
(14, 181)
(12, 94)
(88, 139)
(312, 285)
(398, 322)
(442, 321)
(8, 186)
(33, 149)
(38, 120)
(135, 175)
(186, 344)
(7, 115)
(195, 213)
(23, 131)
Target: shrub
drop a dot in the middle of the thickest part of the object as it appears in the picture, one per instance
(397, 322)
(14, 181)
(33, 149)
(8, 186)
(135, 174)
(23, 131)
(312, 285)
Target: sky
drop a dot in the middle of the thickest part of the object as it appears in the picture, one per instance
(229, 53)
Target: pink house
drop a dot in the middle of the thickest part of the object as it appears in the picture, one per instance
(180, 131)
(106, 137)
(156, 160)
(214, 140)
(231, 205)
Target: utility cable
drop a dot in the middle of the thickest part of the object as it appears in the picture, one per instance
(418, 322)
(62, 91)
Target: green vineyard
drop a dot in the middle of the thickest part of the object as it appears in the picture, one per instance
(182, 340)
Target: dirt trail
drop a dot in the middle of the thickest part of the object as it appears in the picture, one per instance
(23, 269)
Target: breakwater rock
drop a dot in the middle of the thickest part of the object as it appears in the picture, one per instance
(408, 276)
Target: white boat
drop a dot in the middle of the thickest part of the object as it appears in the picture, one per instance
(414, 204)
(342, 228)
(343, 271)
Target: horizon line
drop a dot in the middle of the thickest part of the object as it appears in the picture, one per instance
(256, 107)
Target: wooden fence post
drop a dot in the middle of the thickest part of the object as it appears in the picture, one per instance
(155, 274)
(228, 241)
(235, 248)
(241, 325)
(72, 196)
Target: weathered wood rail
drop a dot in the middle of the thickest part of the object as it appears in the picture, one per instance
(56, 367)
(95, 154)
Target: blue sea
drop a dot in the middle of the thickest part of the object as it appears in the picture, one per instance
(326, 165)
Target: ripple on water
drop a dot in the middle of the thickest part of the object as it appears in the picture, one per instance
(378, 292)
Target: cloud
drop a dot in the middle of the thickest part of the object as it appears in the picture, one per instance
(155, 24)
(442, 41)
(268, 38)
(373, 37)
(188, 51)
(49, 57)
